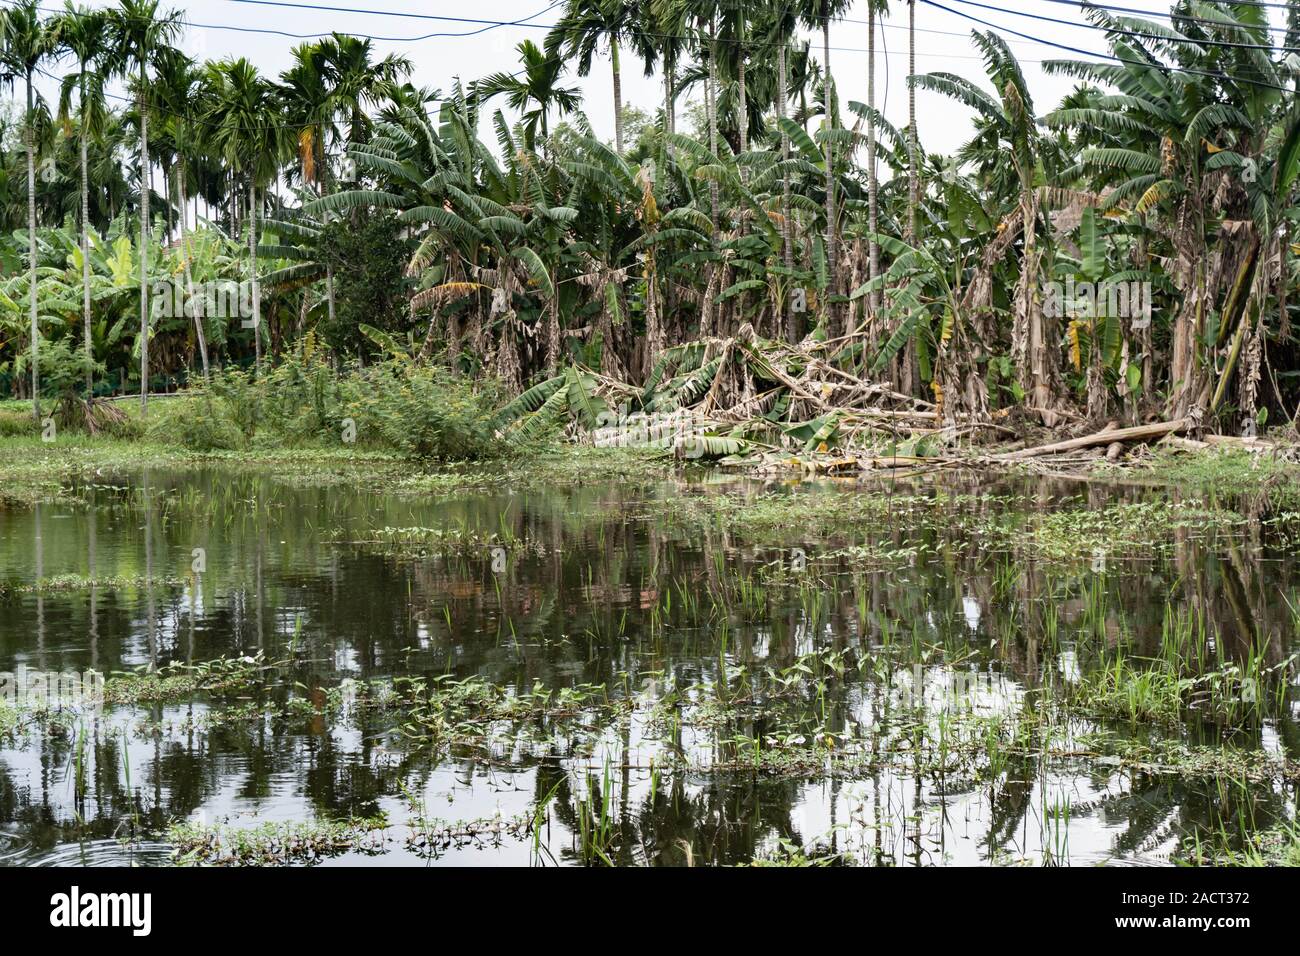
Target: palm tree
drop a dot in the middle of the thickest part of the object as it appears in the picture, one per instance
(782, 26)
(1011, 118)
(355, 80)
(536, 86)
(309, 107)
(138, 31)
(587, 24)
(733, 23)
(27, 42)
(875, 9)
(819, 13)
(247, 133)
(913, 180)
(702, 16)
(309, 93)
(667, 24)
(81, 32)
(176, 87)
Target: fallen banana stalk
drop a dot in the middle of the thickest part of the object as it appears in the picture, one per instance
(1106, 436)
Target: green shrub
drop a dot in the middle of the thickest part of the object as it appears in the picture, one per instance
(424, 411)
(196, 423)
(301, 395)
(18, 423)
(240, 396)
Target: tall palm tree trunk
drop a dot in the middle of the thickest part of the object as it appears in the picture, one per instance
(873, 183)
(913, 184)
(329, 291)
(252, 263)
(829, 92)
(144, 247)
(618, 97)
(668, 105)
(191, 304)
(787, 253)
(906, 377)
(85, 247)
(711, 100)
(742, 121)
(31, 253)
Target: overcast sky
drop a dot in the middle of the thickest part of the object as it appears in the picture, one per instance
(943, 43)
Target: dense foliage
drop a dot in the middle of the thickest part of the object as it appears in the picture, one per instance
(341, 196)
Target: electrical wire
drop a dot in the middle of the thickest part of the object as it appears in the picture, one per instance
(1118, 59)
(1132, 33)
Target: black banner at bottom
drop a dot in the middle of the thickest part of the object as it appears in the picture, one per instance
(150, 906)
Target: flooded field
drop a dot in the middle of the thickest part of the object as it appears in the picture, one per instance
(695, 670)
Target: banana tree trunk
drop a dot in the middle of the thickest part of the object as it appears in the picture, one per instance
(144, 248)
(1234, 310)
(1038, 370)
(1186, 381)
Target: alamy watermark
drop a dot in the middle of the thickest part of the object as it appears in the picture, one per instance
(52, 690)
(1089, 300)
(681, 430)
(218, 299)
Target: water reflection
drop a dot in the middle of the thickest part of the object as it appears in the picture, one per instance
(601, 586)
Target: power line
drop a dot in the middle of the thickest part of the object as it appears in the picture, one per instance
(1118, 59)
(494, 24)
(1109, 8)
(1235, 3)
(487, 25)
(1133, 33)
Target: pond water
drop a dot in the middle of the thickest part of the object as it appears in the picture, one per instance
(747, 680)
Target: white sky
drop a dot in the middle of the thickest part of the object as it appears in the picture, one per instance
(943, 43)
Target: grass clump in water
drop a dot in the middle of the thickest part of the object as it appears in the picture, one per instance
(180, 681)
(274, 844)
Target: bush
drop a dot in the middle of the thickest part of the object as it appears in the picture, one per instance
(370, 282)
(17, 423)
(302, 395)
(240, 397)
(201, 423)
(422, 410)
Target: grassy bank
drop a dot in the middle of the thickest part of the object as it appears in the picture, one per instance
(32, 470)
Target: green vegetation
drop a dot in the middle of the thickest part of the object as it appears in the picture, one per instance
(274, 843)
(804, 281)
(434, 404)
